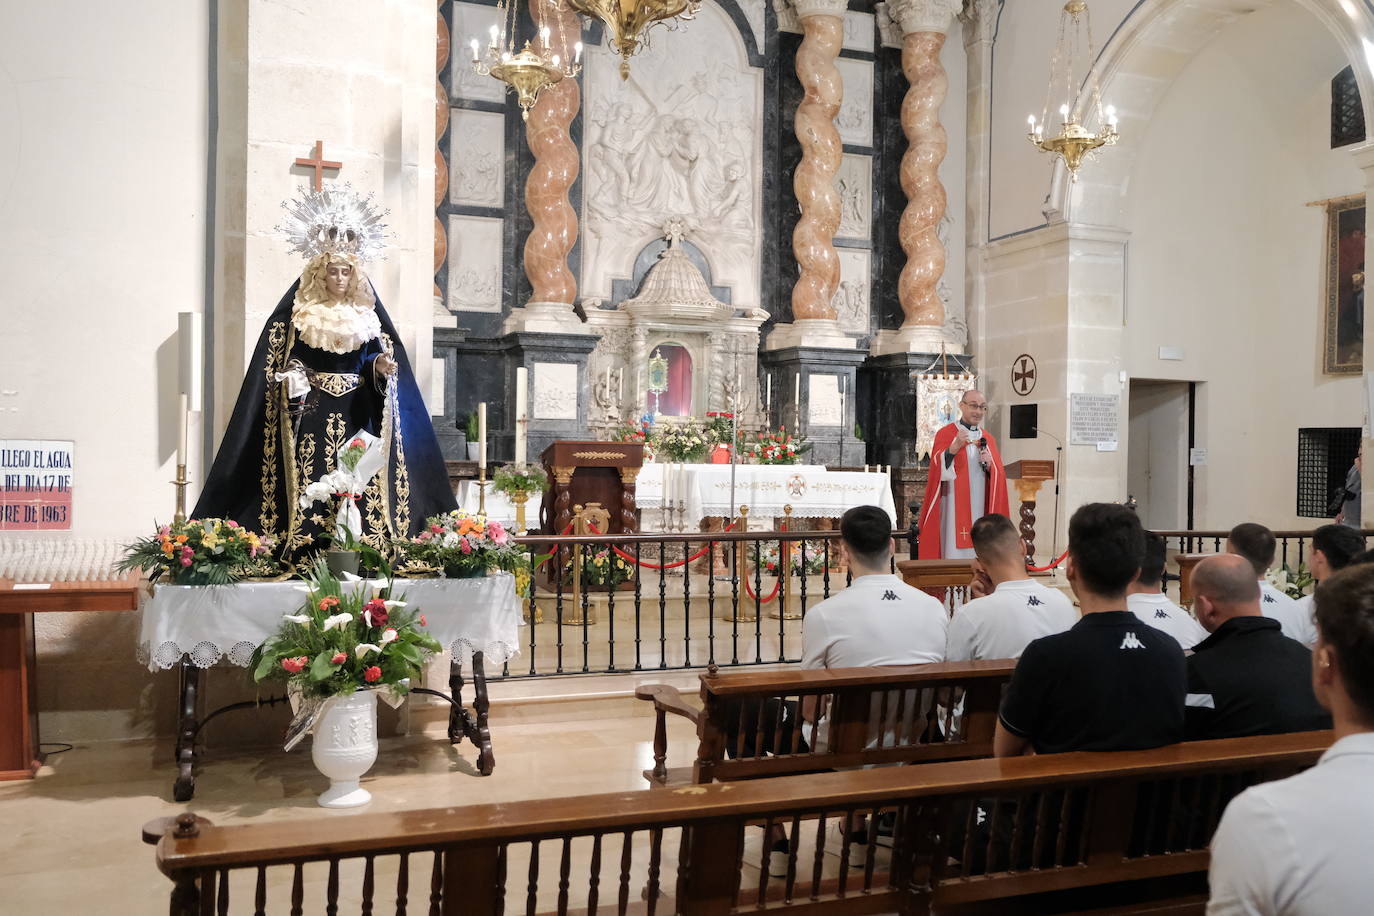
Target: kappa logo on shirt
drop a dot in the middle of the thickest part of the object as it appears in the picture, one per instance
(889, 596)
(1033, 601)
(1269, 599)
(1162, 614)
(1131, 642)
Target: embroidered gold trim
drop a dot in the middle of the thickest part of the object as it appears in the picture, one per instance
(336, 383)
(598, 456)
(276, 357)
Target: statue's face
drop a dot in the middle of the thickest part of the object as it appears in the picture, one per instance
(336, 277)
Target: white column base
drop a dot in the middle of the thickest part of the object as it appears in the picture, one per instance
(551, 317)
(810, 332)
(914, 339)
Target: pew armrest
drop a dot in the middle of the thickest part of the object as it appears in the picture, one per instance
(666, 700)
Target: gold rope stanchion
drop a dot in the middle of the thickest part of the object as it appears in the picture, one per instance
(785, 570)
(737, 613)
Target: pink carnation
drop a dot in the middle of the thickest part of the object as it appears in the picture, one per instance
(339, 658)
(185, 561)
(436, 528)
(423, 621)
(295, 665)
(232, 524)
(464, 545)
(372, 675)
(497, 532)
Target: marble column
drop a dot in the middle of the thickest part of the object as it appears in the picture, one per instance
(814, 181)
(923, 24)
(980, 22)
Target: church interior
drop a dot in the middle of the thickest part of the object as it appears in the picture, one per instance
(578, 328)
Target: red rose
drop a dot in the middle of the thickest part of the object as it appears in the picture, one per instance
(295, 665)
(372, 675)
(357, 443)
(375, 612)
(339, 658)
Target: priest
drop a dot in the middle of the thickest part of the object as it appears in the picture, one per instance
(966, 481)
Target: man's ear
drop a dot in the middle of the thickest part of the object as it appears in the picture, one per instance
(1203, 608)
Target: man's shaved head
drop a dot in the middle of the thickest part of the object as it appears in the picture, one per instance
(973, 407)
(1224, 586)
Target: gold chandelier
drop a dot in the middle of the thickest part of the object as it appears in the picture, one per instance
(629, 21)
(1081, 105)
(529, 71)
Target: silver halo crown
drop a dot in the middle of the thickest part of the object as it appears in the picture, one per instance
(338, 220)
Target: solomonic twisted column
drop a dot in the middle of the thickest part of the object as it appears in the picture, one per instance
(555, 169)
(923, 24)
(814, 181)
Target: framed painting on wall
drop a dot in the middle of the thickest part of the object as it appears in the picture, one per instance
(1343, 350)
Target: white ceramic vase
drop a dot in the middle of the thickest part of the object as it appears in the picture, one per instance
(345, 747)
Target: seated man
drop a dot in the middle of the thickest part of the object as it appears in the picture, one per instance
(1301, 845)
(1146, 599)
(1017, 610)
(1246, 678)
(1256, 543)
(1334, 547)
(1110, 683)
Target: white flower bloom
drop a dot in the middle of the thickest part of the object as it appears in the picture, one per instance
(363, 648)
(302, 619)
(337, 620)
(389, 635)
(450, 539)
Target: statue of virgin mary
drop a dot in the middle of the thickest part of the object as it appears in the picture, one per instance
(329, 364)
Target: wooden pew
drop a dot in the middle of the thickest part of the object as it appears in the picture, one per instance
(750, 706)
(1143, 822)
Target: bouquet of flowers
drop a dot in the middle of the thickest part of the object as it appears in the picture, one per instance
(604, 567)
(720, 427)
(341, 640)
(520, 478)
(640, 434)
(462, 545)
(1292, 582)
(768, 556)
(776, 448)
(207, 551)
(685, 443)
(358, 462)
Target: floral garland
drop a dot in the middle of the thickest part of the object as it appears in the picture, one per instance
(463, 545)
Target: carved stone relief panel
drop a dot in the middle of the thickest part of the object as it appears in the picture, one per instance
(753, 11)
(855, 120)
(470, 21)
(852, 297)
(679, 138)
(555, 391)
(474, 264)
(823, 404)
(858, 31)
(854, 181)
(477, 143)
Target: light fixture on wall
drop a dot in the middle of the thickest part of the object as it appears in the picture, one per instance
(528, 71)
(1079, 97)
(629, 21)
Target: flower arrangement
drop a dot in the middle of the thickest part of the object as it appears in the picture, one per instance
(720, 427)
(639, 434)
(1292, 582)
(207, 551)
(768, 557)
(776, 448)
(342, 640)
(358, 461)
(603, 567)
(685, 443)
(520, 478)
(462, 545)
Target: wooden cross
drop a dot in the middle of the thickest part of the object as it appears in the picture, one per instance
(319, 164)
(1023, 375)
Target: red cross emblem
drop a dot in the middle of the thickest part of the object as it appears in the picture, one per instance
(1023, 374)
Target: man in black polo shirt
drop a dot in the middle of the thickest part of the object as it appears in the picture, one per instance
(1247, 678)
(1111, 683)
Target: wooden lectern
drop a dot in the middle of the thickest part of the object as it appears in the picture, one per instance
(1029, 474)
(591, 472)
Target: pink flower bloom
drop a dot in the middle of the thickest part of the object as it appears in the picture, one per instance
(164, 531)
(185, 561)
(436, 528)
(423, 621)
(425, 536)
(372, 675)
(339, 658)
(357, 443)
(464, 545)
(295, 665)
(497, 532)
(232, 524)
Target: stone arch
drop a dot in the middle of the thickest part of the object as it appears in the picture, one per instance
(1139, 63)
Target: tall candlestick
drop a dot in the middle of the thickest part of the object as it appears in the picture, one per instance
(521, 417)
(619, 386)
(482, 435)
(183, 407)
(768, 397)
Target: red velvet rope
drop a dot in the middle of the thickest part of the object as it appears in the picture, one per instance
(1030, 568)
(691, 559)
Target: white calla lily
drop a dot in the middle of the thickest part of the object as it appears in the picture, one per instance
(389, 635)
(302, 619)
(390, 605)
(337, 620)
(363, 648)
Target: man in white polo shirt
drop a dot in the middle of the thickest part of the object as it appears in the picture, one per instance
(1256, 543)
(1146, 599)
(1333, 549)
(1018, 609)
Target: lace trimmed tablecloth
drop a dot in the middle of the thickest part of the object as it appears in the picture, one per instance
(810, 489)
(210, 623)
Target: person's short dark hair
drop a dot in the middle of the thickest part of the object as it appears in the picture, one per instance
(1152, 562)
(1361, 558)
(867, 532)
(1256, 543)
(1107, 544)
(1338, 543)
(1344, 606)
(994, 535)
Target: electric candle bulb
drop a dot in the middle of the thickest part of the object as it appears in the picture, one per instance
(555, 61)
(577, 53)
(1031, 121)
(474, 50)
(1064, 111)
(544, 35)
(505, 56)
(495, 35)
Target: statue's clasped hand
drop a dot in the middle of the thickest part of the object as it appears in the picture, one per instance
(385, 365)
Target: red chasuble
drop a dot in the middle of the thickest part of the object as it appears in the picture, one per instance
(931, 547)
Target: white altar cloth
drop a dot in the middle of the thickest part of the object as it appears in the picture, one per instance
(208, 622)
(810, 489)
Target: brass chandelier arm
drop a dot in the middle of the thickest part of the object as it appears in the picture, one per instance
(628, 21)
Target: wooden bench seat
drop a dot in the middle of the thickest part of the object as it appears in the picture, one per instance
(1131, 827)
(744, 732)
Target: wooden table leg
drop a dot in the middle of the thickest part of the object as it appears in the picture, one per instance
(184, 788)
(19, 752)
(461, 723)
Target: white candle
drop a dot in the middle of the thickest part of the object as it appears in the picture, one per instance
(183, 407)
(620, 385)
(521, 396)
(482, 435)
(796, 394)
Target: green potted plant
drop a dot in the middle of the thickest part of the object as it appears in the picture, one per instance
(474, 442)
(519, 482)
